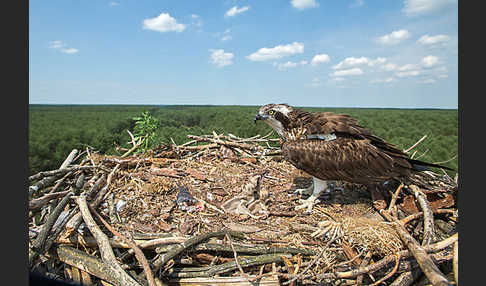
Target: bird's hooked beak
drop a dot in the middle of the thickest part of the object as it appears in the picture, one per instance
(259, 117)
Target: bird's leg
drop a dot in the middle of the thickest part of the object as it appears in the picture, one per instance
(319, 186)
(306, 191)
(377, 197)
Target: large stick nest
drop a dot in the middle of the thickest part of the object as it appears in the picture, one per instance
(219, 182)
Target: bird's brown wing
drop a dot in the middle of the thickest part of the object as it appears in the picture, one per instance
(348, 159)
(342, 125)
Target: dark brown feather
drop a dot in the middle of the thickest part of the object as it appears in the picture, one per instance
(355, 156)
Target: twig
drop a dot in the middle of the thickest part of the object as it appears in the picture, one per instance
(73, 168)
(163, 259)
(429, 268)
(385, 261)
(39, 244)
(138, 253)
(394, 270)
(416, 144)
(429, 227)
(211, 271)
(88, 263)
(235, 255)
(394, 197)
(104, 245)
(69, 159)
(419, 214)
(446, 161)
(37, 204)
(455, 262)
(301, 274)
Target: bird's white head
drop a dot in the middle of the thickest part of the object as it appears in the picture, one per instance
(275, 115)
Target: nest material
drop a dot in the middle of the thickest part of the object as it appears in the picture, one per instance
(141, 198)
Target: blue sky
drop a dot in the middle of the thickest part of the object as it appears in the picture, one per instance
(346, 53)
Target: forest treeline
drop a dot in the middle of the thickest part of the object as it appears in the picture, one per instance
(54, 130)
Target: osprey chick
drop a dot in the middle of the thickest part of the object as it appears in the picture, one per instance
(332, 146)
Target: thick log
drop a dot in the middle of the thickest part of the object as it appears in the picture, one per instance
(85, 262)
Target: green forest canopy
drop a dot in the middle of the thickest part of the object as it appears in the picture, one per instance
(54, 130)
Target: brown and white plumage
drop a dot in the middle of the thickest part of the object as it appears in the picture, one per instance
(332, 146)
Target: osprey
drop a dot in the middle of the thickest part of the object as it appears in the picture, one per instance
(333, 147)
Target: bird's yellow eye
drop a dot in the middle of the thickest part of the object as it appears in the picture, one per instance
(271, 112)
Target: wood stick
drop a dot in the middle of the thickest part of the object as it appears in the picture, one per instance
(38, 244)
(429, 227)
(394, 197)
(138, 253)
(269, 280)
(226, 143)
(210, 271)
(455, 262)
(73, 168)
(416, 144)
(107, 255)
(429, 268)
(88, 263)
(235, 255)
(164, 258)
(299, 276)
(411, 217)
(69, 159)
(37, 204)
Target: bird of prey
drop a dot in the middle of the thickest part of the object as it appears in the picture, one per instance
(333, 147)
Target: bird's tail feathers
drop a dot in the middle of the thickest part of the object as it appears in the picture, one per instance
(424, 166)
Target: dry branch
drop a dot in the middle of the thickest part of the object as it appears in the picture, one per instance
(115, 270)
(164, 258)
(429, 228)
(138, 253)
(429, 268)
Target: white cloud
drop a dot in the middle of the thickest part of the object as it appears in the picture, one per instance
(408, 67)
(284, 66)
(304, 4)
(443, 76)
(430, 61)
(432, 40)
(383, 80)
(56, 44)
(316, 82)
(196, 20)
(69, 51)
(163, 23)
(220, 58)
(389, 67)
(114, 3)
(376, 61)
(321, 58)
(352, 61)
(353, 71)
(420, 7)
(226, 36)
(408, 73)
(277, 52)
(357, 3)
(62, 47)
(235, 11)
(428, 81)
(394, 37)
(289, 64)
